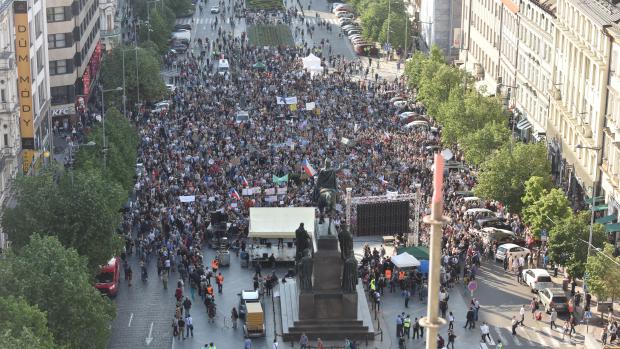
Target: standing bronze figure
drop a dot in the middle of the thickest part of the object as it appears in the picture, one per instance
(305, 271)
(302, 241)
(349, 274)
(325, 192)
(346, 243)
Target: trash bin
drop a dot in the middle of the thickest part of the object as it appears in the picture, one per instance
(245, 259)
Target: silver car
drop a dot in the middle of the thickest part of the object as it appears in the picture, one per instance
(553, 297)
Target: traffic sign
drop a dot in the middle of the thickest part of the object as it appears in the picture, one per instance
(587, 315)
(472, 285)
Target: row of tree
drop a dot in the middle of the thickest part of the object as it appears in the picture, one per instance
(64, 225)
(375, 24)
(513, 173)
(157, 18)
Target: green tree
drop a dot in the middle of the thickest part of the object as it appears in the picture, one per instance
(477, 146)
(397, 25)
(551, 207)
(603, 277)
(150, 84)
(535, 188)
(23, 323)
(159, 30)
(82, 212)
(436, 84)
(568, 242)
(373, 18)
(57, 280)
(122, 144)
(503, 175)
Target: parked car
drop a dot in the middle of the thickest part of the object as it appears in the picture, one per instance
(345, 14)
(345, 21)
(171, 88)
(215, 9)
(161, 106)
(340, 6)
(246, 297)
(491, 235)
(108, 277)
(511, 250)
(553, 297)
(178, 47)
(537, 279)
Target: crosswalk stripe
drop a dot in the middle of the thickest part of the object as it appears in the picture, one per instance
(515, 338)
(540, 338)
(554, 342)
(525, 334)
(500, 335)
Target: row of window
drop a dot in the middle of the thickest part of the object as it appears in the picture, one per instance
(580, 24)
(59, 14)
(63, 94)
(62, 66)
(59, 40)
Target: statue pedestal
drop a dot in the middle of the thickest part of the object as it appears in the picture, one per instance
(328, 305)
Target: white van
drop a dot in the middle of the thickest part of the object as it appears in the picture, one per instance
(182, 35)
(222, 66)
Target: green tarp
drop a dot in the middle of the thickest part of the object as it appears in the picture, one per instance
(600, 208)
(606, 219)
(597, 200)
(612, 227)
(419, 252)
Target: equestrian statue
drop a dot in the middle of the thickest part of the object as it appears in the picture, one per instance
(325, 192)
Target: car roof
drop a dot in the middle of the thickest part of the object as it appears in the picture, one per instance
(509, 245)
(249, 295)
(538, 272)
(555, 290)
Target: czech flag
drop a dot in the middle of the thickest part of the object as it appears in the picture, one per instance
(244, 182)
(233, 194)
(310, 171)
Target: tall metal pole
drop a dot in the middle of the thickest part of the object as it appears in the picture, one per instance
(124, 88)
(432, 321)
(105, 146)
(406, 27)
(388, 20)
(137, 78)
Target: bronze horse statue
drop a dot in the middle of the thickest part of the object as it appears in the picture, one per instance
(326, 203)
(325, 192)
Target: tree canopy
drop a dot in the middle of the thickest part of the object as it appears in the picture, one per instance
(552, 206)
(503, 175)
(58, 281)
(568, 242)
(603, 275)
(23, 325)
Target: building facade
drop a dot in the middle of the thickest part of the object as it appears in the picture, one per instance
(534, 65)
(110, 24)
(439, 24)
(9, 106)
(32, 83)
(74, 57)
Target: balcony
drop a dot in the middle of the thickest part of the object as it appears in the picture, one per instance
(8, 107)
(110, 33)
(7, 61)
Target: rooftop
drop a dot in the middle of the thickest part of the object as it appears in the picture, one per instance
(603, 12)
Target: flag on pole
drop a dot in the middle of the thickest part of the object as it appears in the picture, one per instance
(279, 180)
(233, 194)
(310, 171)
(244, 182)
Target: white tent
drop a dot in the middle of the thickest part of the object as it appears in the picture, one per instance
(311, 61)
(405, 260)
(279, 222)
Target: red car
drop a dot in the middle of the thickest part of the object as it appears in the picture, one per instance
(108, 278)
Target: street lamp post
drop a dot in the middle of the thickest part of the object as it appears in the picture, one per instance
(105, 145)
(593, 199)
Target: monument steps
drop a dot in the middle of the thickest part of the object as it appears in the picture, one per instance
(328, 322)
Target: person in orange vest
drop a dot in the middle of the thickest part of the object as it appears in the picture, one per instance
(401, 279)
(220, 282)
(210, 290)
(214, 265)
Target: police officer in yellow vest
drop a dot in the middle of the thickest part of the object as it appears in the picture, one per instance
(373, 287)
(210, 346)
(407, 326)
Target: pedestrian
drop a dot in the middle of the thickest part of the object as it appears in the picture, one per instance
(175, 328)
(522, 314)
(189, 324)
(604, 335)
(399, 324)
(182, 328)
(476, 305)
(129, 276)
(319, 342)
(234, 316)
(485, 332)
(451, 321)
(407, 296)
(451, 338)
(417, 329)
(275, 344)
(187, 305)
(303, 341)
(500, 345)
(514, 324)
(533, 308)
(469, 317)
(552, 318)
(347, 343)
(566, 330)
(220, 282)
(407, 326)
(573, 322)
(247, 344)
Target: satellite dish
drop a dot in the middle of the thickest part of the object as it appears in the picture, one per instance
(447, 154)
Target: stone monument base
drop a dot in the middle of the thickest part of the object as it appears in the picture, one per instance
(334, 314)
